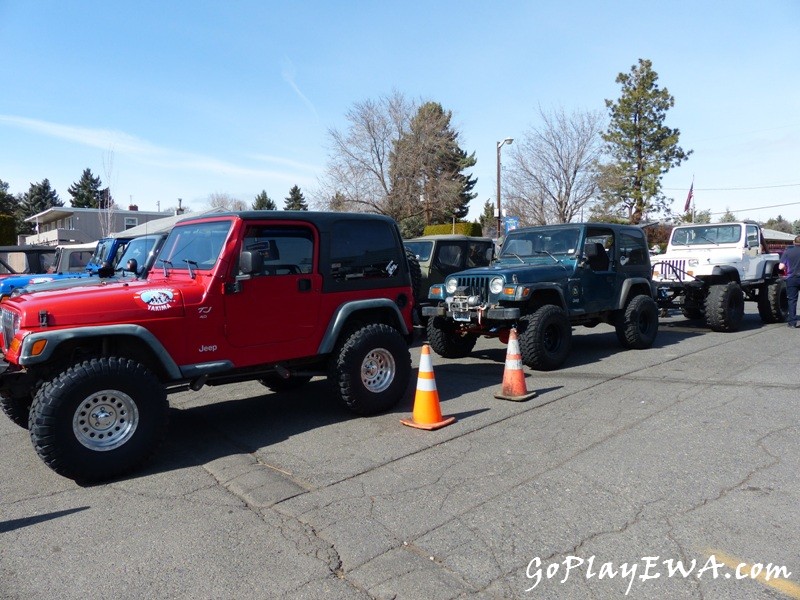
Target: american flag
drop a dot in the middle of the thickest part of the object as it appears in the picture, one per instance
(689, 198)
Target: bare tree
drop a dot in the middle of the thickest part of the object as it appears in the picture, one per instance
(226, 202)
(357, 174)
(551, 174)
(107, 205)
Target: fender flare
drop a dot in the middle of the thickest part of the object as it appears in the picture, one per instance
(726, 272)
(629, 284)
(344, 312)
(56, 337)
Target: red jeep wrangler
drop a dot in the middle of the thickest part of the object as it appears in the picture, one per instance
(277, 297)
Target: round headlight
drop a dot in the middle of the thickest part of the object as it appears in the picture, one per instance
(496, 285)
(450, 285)
(692, 262)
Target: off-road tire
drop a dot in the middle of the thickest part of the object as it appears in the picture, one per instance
(773, 302)
(416, 276)
(420, 295)
(545, 338)
(99, 419)
(725, 307)
(370, 371)
(446, 341)
(17, 409)
(276, 383)
(637, 324)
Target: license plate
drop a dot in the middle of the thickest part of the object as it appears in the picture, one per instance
(461, 316)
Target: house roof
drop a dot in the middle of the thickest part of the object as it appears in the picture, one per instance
(60, 212)
(162, 225)
(778, 236)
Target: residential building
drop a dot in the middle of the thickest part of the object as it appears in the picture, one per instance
(68, 225)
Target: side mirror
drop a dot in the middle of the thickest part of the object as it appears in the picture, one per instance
(251, 262)
(105, 270)
(132, 266)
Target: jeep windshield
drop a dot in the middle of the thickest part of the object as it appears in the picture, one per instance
(194, 247)
(706, 234)
(550, 244)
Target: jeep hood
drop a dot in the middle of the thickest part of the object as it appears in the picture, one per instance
(703, 255)
(123, 302)
(525, 273)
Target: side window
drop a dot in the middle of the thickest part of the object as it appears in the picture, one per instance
(364, 250)
(449, 255)
(632, 248)
(286, 250)
(479, 254)
(752, 236)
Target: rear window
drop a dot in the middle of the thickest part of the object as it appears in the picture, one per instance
(364, 250)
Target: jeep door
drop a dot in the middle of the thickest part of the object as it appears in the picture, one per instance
(275, 310)
(599, 277)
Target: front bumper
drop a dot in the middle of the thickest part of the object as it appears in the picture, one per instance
(473, 315)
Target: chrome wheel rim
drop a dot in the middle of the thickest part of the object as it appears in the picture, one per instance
(105, 420)
(377, 370)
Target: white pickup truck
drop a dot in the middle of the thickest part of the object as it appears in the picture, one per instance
(709, 270)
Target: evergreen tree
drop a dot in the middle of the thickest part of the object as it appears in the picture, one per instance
(264, 202)
(779, 224)
(487, 220)
(86, 192)
(295, 200)
(105, 200)
(427, 165)
(338, 203)
(728, 217)
(8, 207)
(7, 200)
(38, 198)
(641, 147)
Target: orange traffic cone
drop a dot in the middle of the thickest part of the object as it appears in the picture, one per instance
(426, 413)
(513, 378)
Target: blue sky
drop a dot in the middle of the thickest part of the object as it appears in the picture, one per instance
(168, 100)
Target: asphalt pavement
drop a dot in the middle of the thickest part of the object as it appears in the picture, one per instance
(662, 473)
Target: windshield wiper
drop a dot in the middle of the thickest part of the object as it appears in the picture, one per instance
(191, 263)
(548, 254)
(165, 262)
(702, 237)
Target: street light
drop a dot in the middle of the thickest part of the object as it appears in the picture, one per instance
(499, 210)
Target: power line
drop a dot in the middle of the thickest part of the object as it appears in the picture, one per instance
(732, 189)
(757, 208)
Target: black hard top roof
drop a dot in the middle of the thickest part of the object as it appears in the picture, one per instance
(320, 218)
(615, 226)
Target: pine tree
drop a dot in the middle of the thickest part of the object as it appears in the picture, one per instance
(264, 202)
(8, 207)
(295, 200)
(642, 148)
(427, 164)
(86, 192)
(338, 203)
(38, 198)
(7, 201)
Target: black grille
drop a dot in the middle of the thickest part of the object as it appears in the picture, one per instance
(8, 328)
(474, 285)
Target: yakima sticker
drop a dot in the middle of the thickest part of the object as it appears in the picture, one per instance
(40, 280)
(157, 299)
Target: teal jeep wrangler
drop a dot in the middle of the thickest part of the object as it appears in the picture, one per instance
(545, 281)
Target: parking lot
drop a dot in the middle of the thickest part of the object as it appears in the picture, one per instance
(663, 473)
